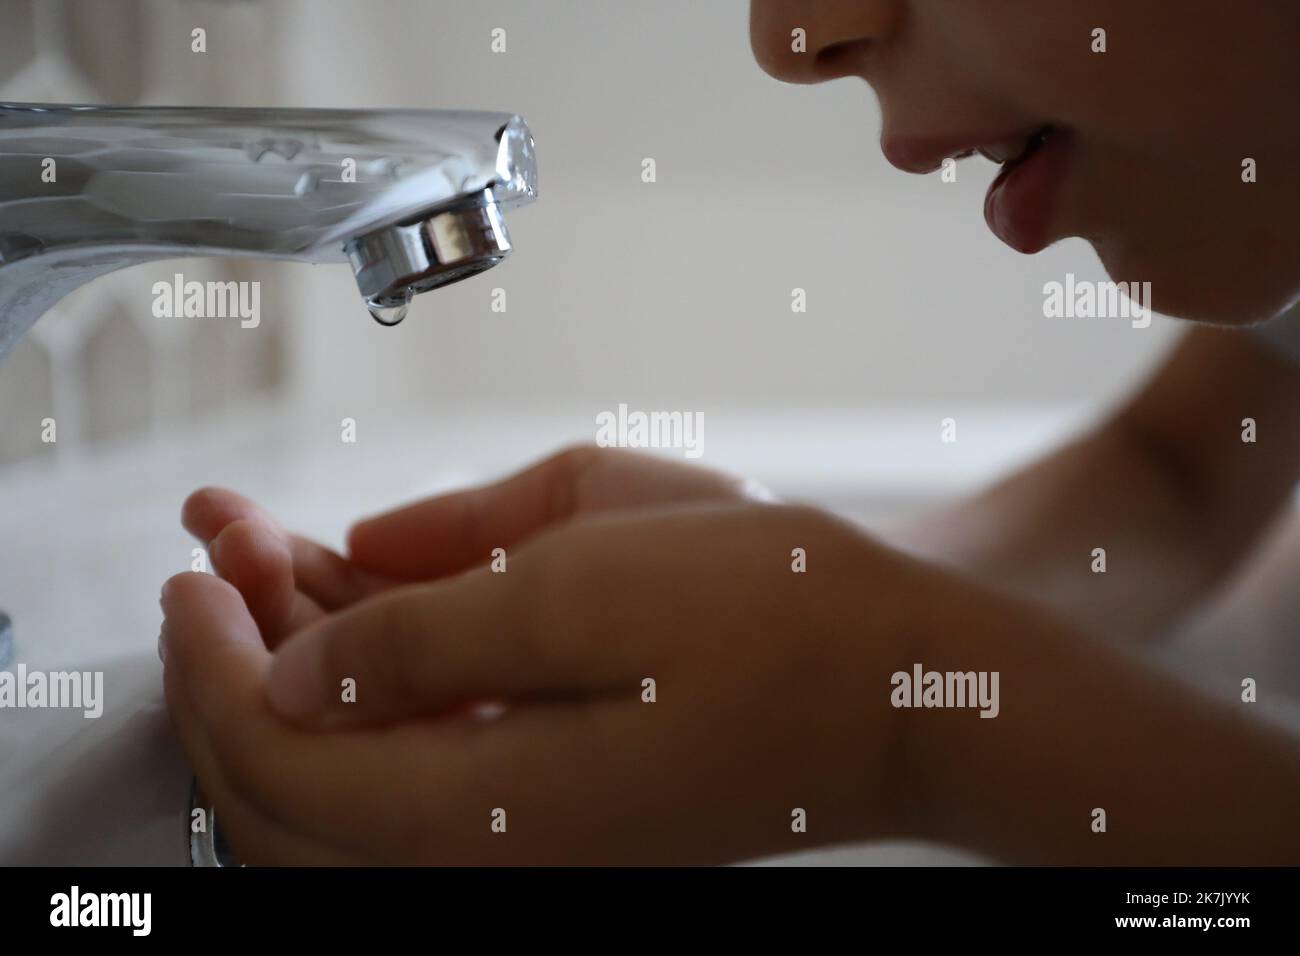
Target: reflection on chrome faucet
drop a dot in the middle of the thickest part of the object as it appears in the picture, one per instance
(6, 640)
(412, 199)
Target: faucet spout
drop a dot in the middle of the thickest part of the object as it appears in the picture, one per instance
(412, 199)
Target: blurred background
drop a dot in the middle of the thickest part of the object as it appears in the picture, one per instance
(668, 295)
(673, 295)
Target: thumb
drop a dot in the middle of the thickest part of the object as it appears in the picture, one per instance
(424, 650)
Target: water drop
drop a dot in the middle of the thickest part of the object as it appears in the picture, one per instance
(391, 309)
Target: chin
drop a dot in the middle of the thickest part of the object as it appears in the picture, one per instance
(1213, 286)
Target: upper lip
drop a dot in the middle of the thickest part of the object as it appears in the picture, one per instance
(926, 152)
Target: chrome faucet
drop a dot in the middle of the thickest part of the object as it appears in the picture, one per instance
(412, 199)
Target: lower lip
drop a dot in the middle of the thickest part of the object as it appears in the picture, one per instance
(1021, 203)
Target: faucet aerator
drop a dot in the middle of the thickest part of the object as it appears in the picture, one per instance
(398, 262)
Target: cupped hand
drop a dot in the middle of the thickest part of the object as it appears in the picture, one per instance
(673, 689)
(288, 581)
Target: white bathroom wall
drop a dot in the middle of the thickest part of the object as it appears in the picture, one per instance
(100, 366)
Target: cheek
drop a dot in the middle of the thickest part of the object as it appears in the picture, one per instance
(1128, 73)
(1031, 59)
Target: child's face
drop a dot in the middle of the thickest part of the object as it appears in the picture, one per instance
(1146, 157)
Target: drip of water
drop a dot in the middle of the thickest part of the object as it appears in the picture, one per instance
(388, 312)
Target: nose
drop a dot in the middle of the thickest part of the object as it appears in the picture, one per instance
(811, 41)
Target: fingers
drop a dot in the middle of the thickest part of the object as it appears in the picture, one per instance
(450, 533)
(417, 791)
(207, 511)
(255, 559)
(447, 534)
(330, 579)
(427, 649)
(211, 644)
(212, 652)
(323, 576)
(284, 795)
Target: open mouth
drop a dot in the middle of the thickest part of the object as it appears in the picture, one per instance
(1008, 153)
(1022, 202)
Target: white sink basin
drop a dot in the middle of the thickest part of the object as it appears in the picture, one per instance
(89, 542)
